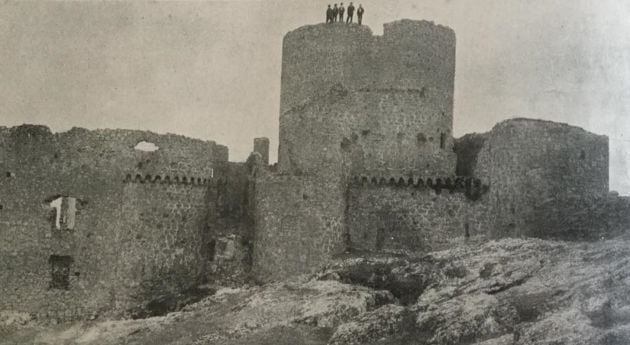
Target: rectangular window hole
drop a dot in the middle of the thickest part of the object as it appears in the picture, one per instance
(60, 271)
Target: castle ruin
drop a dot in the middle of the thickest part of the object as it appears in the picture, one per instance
(105, 222)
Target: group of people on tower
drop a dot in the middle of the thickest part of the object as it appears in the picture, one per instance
(335, 14)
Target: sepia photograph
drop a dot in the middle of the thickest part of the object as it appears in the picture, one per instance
(299, 172)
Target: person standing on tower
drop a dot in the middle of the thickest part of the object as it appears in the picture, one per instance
(360, 11)
(350, 13)
(335, 13)
(329, 14)
(341, 11)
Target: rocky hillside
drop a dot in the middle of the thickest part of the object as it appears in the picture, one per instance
(512, 291)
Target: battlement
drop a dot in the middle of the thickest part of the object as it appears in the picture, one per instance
(137, 205)
(166, 179)
(472, 187)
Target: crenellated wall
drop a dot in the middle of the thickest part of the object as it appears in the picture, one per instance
(108, 222)
(352, 104)
(121, 198)
(414, 215)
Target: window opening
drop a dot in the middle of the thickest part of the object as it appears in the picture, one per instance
(60, 271)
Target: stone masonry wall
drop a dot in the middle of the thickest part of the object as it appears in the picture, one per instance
(371, 131)
(230, 219)
(299, 225)
(389, 94)
(531, 162)
(351, 104)
(161, 241)
(467, 150)
(594, 218)
(409, 55)
(411, 217)
(37, 167)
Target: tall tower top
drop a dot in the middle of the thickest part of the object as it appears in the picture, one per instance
(352, 102)
(408, 55)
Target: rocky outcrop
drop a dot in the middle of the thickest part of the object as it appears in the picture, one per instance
(518, 292)
(507, 292)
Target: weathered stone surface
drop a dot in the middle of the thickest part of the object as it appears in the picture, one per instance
(318, 303)
(532, 166)
(376, 104)
(466, 318)
(378, 110)
(299, 225)
(110, 220)
(410, 218)
(522, 292)
(139, 217)
(381, 323)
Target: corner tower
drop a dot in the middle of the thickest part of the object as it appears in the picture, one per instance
(354, 103)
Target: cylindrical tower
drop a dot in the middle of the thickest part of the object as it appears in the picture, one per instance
(368, 104)
(316, 57)
(529, 163)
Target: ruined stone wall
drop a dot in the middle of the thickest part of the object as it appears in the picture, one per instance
(261, 145)
(299, 225)
(36, 168)
(411, 215)
(390, 96)
(530, 162)
(231, 192)
(161, 241)
(467, 150)
(230, 219)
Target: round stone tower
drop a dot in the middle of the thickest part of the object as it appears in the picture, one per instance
(360, 104)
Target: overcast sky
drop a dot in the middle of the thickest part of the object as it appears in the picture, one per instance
(211, 70)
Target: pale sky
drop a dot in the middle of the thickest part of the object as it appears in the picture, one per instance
(211, 70)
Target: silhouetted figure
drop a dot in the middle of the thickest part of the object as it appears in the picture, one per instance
(360, 11)
(341, 11)
(335, 12)
(350, 13)
(329, 15)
